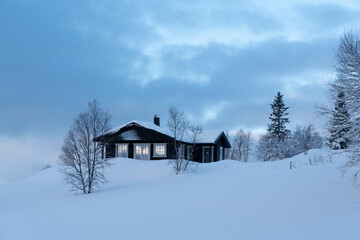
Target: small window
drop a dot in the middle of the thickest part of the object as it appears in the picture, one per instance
(104, 151)
(138, 150)
(182, 151)
(221, 153)
(122, 150)
(188, 152)
(159, 149)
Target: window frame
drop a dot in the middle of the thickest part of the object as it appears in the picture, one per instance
(117, 149)
(182, 151)
(221, 154)
(104, 152)
(142, 145)
(188, 150)
(165, 150)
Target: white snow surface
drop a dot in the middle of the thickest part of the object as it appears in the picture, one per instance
(205, 136)
(223, 200)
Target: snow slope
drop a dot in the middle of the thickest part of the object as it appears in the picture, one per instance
(225, 200)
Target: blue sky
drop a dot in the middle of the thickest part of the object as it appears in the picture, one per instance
(222, 62)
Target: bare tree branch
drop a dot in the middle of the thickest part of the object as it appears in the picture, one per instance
(80, 158)
(177, 125)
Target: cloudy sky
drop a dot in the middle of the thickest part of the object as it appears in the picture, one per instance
(221, 62)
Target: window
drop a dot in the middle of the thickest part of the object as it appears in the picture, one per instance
(182, 151)
(188, 153)
(159, 149)
(122, 150)
(138, 150)
(104, 151)
(142, 151)
(221, 153)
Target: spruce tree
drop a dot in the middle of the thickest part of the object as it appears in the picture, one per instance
(339, 124)
(277, 128)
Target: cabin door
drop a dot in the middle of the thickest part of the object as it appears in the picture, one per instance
(206, 154)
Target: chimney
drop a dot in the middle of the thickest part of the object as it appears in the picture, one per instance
(157, 120)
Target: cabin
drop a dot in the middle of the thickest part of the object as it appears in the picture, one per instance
(149, 141)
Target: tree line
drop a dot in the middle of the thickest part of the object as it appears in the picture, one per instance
(278, 142)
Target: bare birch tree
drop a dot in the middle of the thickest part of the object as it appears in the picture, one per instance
(247, 147)
(194, 137)
(177, 125)
(264, 148)
(81, 157)
(241, 145)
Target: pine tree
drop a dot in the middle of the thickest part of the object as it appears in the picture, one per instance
(275, 145)
(339, 124)
(277, 128)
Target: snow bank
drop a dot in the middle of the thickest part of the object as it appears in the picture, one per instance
(223, 200)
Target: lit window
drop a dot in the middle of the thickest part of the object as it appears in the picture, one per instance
(142, 151)
(138, 150)
(145, 150)
(160, 150)
(122, 150)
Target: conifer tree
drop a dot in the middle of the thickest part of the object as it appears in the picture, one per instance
(339, 124)
(274, 145)
(277, 128)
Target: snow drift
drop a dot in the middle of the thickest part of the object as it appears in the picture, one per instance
(223, 200)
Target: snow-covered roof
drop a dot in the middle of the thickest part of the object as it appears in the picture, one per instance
(148, 125)
(205, 136)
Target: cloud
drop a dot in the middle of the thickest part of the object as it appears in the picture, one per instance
(323, 17)
(212, 112)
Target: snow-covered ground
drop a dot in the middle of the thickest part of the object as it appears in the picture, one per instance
(224, 200)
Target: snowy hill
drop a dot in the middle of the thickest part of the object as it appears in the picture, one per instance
(224, 200)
